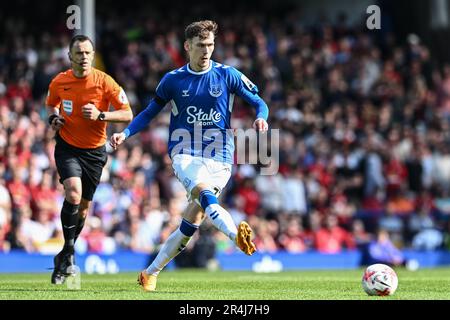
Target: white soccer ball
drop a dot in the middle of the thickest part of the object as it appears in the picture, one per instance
(379, 280)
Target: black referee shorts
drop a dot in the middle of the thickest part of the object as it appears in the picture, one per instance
(86, 164)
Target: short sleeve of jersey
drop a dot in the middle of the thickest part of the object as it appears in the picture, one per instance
(53, 99)
(163, 90)
(239, 83)
(115, 94)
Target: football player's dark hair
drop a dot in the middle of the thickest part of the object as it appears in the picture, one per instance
(80, 38)
(200, 29)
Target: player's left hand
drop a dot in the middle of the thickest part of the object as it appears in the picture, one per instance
(117, 139)
(260, 125)
(90, 111)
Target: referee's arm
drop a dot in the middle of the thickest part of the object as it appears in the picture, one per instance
(118, 99)
(122, 115)
(54, 119)
(53, 102)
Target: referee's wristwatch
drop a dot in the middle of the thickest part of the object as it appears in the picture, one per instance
(101, 116)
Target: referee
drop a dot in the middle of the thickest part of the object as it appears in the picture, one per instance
(78, 103)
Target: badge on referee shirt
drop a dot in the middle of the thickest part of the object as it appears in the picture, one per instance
(67, 106)
(123, 97)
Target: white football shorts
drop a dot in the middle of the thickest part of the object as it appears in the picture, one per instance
(191, 171)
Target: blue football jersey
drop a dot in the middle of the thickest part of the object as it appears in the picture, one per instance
(202, 103)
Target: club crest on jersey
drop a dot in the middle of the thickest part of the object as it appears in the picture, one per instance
(215, 90)
(67, 106)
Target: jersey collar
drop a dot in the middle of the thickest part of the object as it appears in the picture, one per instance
(200, 72)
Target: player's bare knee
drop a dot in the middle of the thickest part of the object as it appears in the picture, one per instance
(72, 188)
(196, 217)
(73, 195)
(193, 213)
(197, 189)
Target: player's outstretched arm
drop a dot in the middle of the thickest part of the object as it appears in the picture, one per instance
(249, 92)
(262, 111)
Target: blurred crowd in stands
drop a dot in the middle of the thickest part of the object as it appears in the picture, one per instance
(364, 143)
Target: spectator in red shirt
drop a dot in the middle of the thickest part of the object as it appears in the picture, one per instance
(332, 238)
(375, 201)
(139, 190)
(292, 239)
(20, 89)
(20, 193)
(96, 237)
(396, 175)
(264, 241)
(250, 195)
(44, 196)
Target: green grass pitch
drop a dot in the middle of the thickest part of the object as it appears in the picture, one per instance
(423, 284)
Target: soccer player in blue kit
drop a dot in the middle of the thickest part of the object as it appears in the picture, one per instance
(201, 94)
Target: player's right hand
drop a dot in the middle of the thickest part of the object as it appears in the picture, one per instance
(117, 139)
(57, 123)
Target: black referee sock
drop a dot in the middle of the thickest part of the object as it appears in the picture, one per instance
(69, 219)
(79, 227)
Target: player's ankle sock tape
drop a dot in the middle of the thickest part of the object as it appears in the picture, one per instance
(69, 220)
(187, 228)
(207, 198)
